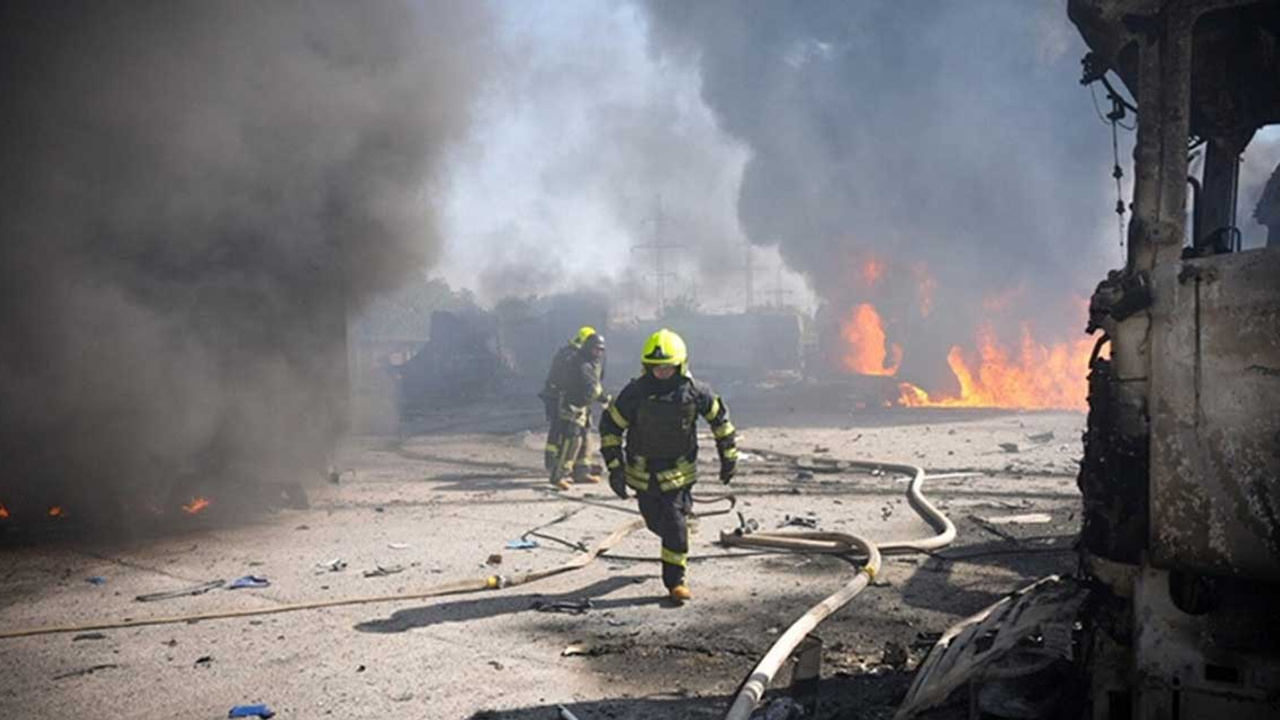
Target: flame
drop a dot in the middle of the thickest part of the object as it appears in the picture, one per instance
(4, 512)
(1038, 376)
(866, 352)
(56, 511)
(196, 505)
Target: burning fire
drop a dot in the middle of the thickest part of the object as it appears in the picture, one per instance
(4, 512)
(1039, 376)
(56, 511)
(867, 351)
(196, 505)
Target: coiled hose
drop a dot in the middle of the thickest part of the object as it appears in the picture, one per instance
(753, 688)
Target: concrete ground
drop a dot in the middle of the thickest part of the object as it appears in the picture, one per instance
(441, 501)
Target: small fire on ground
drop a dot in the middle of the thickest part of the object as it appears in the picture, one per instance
(196, 505)
(4, 512)
(56, 511)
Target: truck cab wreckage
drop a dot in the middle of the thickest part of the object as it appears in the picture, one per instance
(1175, 613)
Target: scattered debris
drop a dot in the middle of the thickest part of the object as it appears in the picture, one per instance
(334, 565)
(575, 606)
(799, 521)
(1027, 519)
(96, 580)
(89, 636)
(249, 581)
(398, 546)
(1043, 437)
(993, 529)
(303, 527)
(497, 665)
(383, 571)
(818, 449)
(182, 592)
(244, 711)
(579, 650)
(565, 714)
(360, 668)
(85, 671)
(1009, 447)
(522, 544)
(746, 525)
(803, 475)
(203, 661)
(895, 655)
(494, 559)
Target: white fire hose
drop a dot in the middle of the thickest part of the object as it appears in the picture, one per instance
(753, 689)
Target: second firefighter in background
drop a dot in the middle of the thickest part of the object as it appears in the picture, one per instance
(649, 439)
(579, 386)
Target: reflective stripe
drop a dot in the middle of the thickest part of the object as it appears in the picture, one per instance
(730, 453)
(671, 557)
(682, 474)
(617, 417)
(724, 429)
(715, 409)
(610, 441)
(552, 447)
(614, 464)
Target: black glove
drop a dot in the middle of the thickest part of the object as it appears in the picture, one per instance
(618, 481)
(727, 469)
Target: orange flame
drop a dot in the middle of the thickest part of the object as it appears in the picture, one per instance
(196, 505)
(1040, 376)
(56, 511)
(867, 351)
(4, 512)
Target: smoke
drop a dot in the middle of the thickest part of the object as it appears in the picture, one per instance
(950, 144)
(195, 195)
(586, 146)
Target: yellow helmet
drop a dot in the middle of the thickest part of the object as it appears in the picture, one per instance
(664, 348)
(584, 332)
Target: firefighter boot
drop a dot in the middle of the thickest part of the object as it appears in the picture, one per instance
(585, 474)
(681, 594)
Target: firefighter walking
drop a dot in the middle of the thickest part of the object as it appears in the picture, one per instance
(649, 440)
(579, 388)
(552, 388)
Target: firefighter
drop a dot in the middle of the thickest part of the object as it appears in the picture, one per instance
(551, 389)
(649, 440)
(580, 387)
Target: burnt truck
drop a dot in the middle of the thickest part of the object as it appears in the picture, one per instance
(1175, 612)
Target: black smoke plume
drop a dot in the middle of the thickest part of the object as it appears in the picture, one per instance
(195, 194)
(950, 142)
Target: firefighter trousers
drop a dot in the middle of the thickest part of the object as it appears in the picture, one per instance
(666, 514)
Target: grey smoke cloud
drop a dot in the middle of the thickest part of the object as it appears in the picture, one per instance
(949, 134)
(195, 194)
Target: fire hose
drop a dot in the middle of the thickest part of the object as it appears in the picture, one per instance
(753, 688)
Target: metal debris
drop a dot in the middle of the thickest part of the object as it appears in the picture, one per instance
(182, 592)
(573, 606)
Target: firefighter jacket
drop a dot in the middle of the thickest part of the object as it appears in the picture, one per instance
(580, 386)
(560, 363)
(659, 421)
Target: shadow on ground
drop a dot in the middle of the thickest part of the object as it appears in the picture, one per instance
(844, 697)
